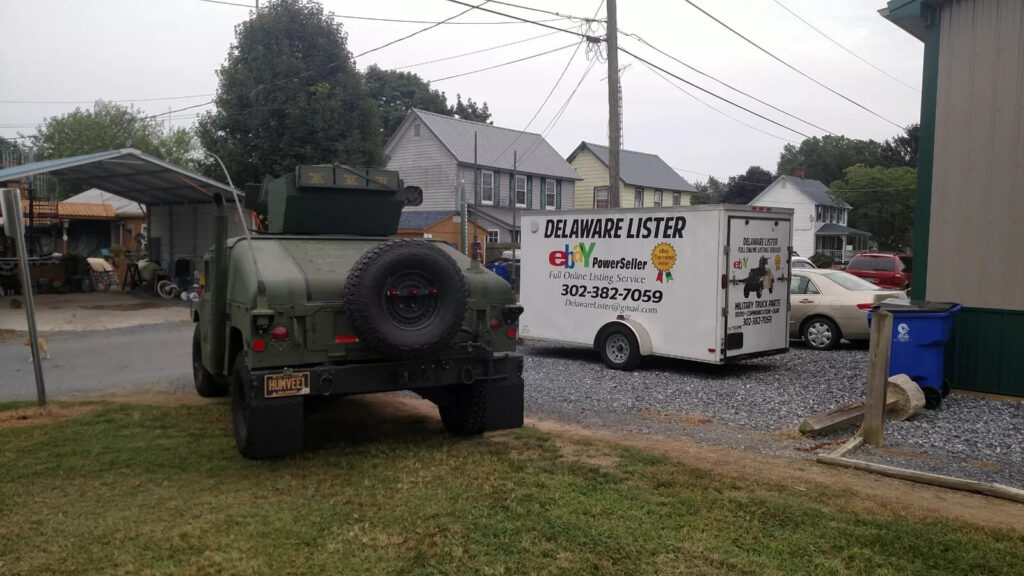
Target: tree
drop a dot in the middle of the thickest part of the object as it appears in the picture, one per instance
(883, 203)
(290, 94)
(710, 192)
(901, 150)
(398, 92)
(109, 126)
(470, 110)
(743, 188)
(826, 157)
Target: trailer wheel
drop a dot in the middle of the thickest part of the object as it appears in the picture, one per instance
(268, 431)
(207, 385)
(406, 298)
(466, 413)
(620, 349)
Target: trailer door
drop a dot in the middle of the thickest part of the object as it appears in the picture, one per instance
(757, 291)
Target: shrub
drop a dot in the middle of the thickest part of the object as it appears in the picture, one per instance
(822, 260)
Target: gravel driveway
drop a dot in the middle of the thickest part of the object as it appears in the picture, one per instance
(758, 404)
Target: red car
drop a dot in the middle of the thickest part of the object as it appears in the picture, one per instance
(890, 271)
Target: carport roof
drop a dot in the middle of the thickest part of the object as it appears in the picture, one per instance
(130, 174)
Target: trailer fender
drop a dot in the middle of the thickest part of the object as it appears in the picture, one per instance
(642, 337)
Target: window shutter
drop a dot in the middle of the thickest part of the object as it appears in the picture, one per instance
(496, 183)
(543, 193)
(529, 192)
(558, 194)
(476, 186)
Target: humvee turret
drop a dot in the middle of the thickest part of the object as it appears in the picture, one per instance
(327, 302)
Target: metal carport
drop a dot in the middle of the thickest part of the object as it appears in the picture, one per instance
(178, 202)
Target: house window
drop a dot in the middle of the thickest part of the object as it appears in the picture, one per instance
(515, 236)
(416, 129)
(601, 197)
(819, 213)
(638, 199)
(677, 198)
(521, 191)
(492, 236)
(549, 194)
(657, 197)
(487, 187)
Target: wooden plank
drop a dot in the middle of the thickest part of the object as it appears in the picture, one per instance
(997, 490)
(837, 418)
(851, 444)
(878, 377)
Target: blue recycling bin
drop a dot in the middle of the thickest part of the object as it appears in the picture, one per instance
(501, 269)
(920, 331)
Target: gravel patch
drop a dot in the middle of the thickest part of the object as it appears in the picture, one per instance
(759, 403)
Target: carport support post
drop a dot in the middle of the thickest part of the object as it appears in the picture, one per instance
(878, 377)
(10, 199)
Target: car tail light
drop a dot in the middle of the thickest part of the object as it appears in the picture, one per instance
(279, 333)
(865, 306)
(259, 345)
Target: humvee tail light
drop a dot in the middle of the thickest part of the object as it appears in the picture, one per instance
(259, 345)
(495, 324)
(511, 333)
(279, 333)
(345, 339)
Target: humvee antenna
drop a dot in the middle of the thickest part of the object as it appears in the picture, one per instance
(261, 288)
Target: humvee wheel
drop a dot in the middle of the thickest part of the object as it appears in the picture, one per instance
(466, 414)
(207, 385)
(267, 431)
(406, 298)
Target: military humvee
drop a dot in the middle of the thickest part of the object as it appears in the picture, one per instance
(327, 302)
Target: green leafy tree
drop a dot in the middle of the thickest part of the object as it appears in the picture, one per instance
(742, 188)
(710, 192)
(290, 94)
(826, 157)
(883, 203)
(398, 92)
(470, 110)
(901, 150)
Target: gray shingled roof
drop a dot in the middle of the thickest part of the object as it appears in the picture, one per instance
(833, 229)
(640, 169)
(815, 190)
(495, 146)
(422, 220)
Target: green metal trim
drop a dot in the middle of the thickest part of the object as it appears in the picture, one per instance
(984, 354)
(926, 158)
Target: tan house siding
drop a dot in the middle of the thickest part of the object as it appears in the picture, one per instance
(978, 176)
(593, 173)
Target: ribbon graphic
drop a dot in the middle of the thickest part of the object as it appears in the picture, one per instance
(663, 257)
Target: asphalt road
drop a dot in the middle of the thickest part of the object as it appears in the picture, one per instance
(110, 361)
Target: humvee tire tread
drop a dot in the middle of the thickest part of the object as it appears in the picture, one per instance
(263, 432)
(207, 385)
(364, 300)
(466, 415)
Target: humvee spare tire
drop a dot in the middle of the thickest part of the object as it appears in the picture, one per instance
(405, 298)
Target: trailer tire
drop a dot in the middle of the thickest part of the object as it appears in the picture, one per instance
(406, 298)
(466, 412)
(207, 385)
(619, 348)
(268, 431)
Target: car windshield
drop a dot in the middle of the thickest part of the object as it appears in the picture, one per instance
(871, 263)
(849, 281)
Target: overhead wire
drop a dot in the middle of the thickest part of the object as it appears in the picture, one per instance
(475, 51)
(421, 30)
(537, 22)
(558, 115)
(377, 19)
(542, 11)
(503, 64)
(790, 66)
(837, 43)
(729, 86)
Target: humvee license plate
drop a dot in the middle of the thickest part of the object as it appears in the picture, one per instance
(279, 385)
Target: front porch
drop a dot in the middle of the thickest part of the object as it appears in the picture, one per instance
(839, 242)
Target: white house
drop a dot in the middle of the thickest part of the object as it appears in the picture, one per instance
(819, 220)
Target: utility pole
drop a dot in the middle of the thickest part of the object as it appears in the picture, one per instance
(614, 122)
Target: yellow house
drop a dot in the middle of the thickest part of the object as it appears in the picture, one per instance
(645, 180)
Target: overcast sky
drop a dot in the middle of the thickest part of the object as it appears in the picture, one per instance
(83, 50)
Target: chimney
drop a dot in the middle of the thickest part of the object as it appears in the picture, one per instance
(799, 172)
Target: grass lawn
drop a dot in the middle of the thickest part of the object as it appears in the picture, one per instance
(135, 489)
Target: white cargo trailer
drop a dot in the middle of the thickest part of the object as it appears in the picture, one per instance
(704, 283)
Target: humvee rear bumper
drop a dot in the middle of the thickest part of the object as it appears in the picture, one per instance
(501, 374)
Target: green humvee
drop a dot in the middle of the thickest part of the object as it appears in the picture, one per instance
(327, 302)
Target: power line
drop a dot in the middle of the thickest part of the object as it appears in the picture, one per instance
(228, 3)
(710, 93)
(790, 66)
(475, 51)
(421, 30)
(684, 91)
(111, 101)
(559, 49)
(377, 19)
(537, 22)
(548, 12)
(558, 115)
(729, 86)
(836, 42)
